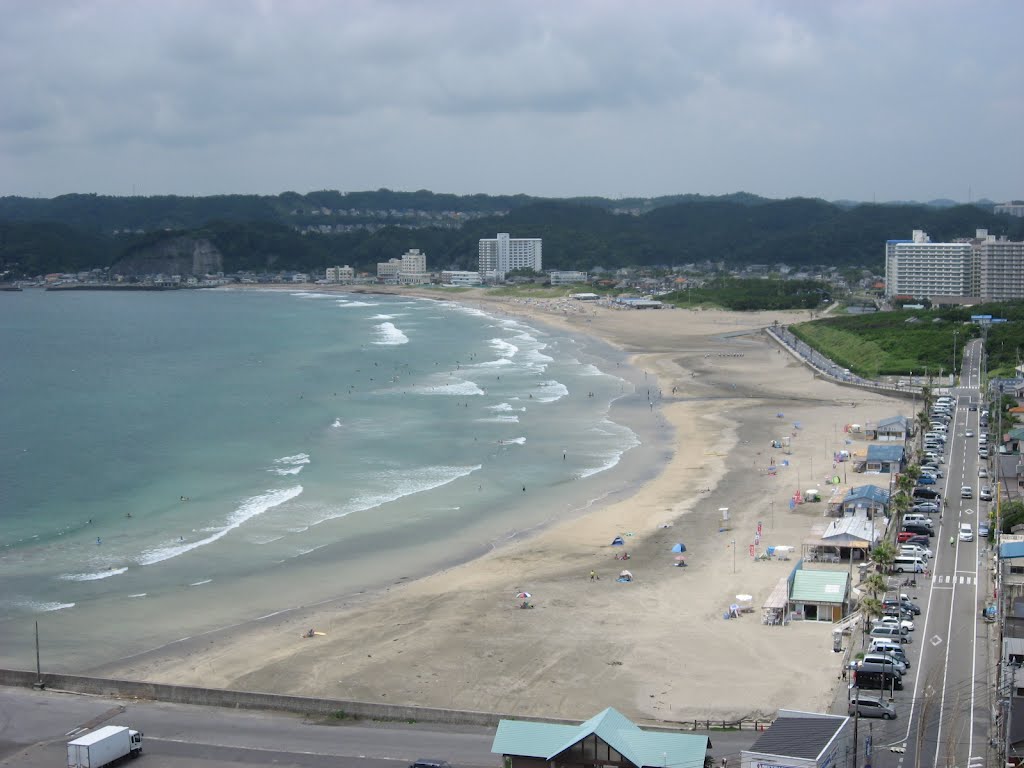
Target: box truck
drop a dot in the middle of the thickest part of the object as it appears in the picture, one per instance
(103, 746)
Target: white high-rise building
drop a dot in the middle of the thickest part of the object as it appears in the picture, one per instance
(999, 267)
(340, 274)
(920, 268)
(411, 269)
(501, 255)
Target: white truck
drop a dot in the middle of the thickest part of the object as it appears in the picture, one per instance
(103, 746)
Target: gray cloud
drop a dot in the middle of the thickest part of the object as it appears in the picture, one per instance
(839, 99)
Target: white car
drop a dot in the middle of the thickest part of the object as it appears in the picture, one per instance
(982, 472)
(969, 433)
(892, 621)
(966, 492)
(966, 532)
(916, 549)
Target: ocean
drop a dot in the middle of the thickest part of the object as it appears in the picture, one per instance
(174, 463)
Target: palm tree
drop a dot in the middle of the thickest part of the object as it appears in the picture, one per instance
(883, 555)
(876, 584)
(871, 609)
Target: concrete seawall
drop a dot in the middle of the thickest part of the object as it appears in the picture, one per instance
(213, 697)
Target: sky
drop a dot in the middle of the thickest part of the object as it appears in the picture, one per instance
(887, 100)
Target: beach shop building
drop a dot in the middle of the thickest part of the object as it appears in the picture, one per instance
(802, 740)
(819, 595)
(609, 738)
(866, 501)
(891, 430)
(887, 459)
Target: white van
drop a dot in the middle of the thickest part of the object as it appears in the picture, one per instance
(912, 563)
(917, 519)
(890, 633)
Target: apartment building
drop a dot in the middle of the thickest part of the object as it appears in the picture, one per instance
(460, 277)
(411, 269)
(340, 274)
(999, 267)
(1015, 208)
(920, 268)
(502, 254)
(566, 277)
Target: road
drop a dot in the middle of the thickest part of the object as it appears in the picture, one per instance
(947, 721)
(35, 726)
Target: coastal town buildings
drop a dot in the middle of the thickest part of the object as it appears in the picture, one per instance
(567, 277)
(340, 274)
(503, 254)
(1015, 208)
(411, 269)
(984, 267)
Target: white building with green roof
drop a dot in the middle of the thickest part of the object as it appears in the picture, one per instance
(819, 595)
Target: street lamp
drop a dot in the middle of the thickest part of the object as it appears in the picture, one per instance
(953, 370)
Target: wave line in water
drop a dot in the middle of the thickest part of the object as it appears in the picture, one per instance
(247, 510)
(93, 576)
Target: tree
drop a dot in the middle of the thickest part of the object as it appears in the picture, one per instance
(883, 555)
(876, 584)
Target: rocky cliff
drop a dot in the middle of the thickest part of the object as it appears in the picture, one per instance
(173, 256)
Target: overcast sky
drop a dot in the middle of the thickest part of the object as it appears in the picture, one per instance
(820, 98)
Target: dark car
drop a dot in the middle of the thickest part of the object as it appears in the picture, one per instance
(921, 530)
(905, 606)
(424, 763)
(916, 539)
(926, 493)
(926, 480)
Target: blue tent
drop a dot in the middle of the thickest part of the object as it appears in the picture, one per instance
(680, 547)
(618, 542)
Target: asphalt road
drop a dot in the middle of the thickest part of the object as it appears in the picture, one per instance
(945, 717)
(36, 725)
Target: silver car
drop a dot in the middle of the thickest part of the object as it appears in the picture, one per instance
(868, 706)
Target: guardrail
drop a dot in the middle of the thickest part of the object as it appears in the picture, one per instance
(779, 334)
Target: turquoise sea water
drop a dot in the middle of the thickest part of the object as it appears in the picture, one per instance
(176, 462)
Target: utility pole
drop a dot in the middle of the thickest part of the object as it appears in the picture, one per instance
(39, 673)
(855, 697)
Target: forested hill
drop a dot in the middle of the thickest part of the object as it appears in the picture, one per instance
(311, 232)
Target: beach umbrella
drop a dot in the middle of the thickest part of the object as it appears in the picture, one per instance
(523, 595)
(627, 574)
(680, 547)
(744, 598)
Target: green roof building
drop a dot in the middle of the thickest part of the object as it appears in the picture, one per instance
(606, 738)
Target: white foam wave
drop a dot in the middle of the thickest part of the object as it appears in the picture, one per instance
(140, 594)
(200, 583)
(337, 424)
(313, 295)
(501, 362)
(401, 483)
(504, 348)
(514, 441)
(93, 576)
(504, 407)
(290, 465)
(389, 335)
(307, 550)
(502, 419)
(611, 458)
(247, 510)
(550, 392)
(460, 388)
(48, 607)
(347, 304)
(589, 369)
(386, 317)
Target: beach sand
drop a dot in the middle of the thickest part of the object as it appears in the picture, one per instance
(658, 648)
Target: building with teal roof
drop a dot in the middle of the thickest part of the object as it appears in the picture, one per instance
(819, 595)
(609, 737)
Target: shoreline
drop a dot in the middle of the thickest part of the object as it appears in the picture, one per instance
(656, 649)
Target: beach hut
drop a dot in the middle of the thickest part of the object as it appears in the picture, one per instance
(679, 547)
(804, 740)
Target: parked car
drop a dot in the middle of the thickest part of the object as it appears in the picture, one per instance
(923, 550)
(907, 605)
(926, 480)
(916, 539)
(966, 492)
(982, 472)
(884, 659)
(867, 706)
(925, 507)
(983, 530)
(895, 621)
(920, 492)
(985, 494)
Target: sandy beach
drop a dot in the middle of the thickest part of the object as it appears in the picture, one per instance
(658, 648)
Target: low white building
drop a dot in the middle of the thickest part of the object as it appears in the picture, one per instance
(411, 269)
(567, 277)
(460, 277)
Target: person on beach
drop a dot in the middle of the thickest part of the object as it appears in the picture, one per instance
(594, 576)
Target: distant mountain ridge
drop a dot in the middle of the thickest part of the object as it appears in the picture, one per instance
(311, 232)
